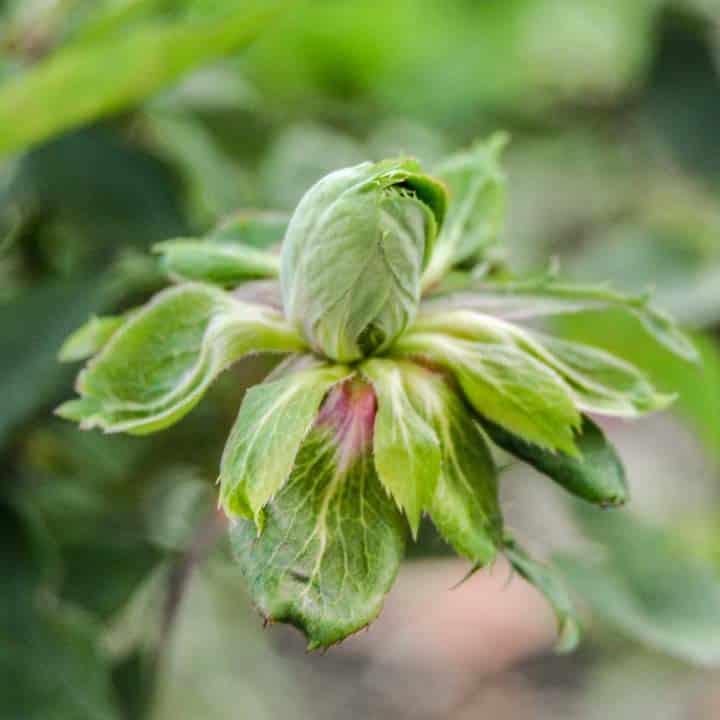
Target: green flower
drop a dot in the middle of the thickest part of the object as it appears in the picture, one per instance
(397, 384)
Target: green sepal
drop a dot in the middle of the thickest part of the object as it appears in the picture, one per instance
(406, 448)
(505, 384)
(273, 421)
(159, 364)
(549, 582)
(90, 338)
(598, 476)
(331, 545)
(465, 507)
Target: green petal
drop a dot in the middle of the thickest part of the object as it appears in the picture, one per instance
(598, 476)
(260, 453)
(465, 506)
(506, 385)
(162, 360)
(550, 584)
(332, 541)
(407, 451)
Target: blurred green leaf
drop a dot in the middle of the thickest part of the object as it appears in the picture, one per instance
(50, 658)
(81, 83)
(33, 329)
(648, 586)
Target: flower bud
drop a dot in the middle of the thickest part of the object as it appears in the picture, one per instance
(354, 253)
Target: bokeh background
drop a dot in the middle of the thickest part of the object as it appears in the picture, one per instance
(126, 122)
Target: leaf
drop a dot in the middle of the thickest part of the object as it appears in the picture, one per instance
(477, 206)
(220, 264)
(80, 83)
(648, 587)
(260, 453)
(518, 301)
(505, 385)
(160, 363)
(90, 338)
(333, 541)
(465, 506)
(550, 584)
(406, 448)
(597, 476)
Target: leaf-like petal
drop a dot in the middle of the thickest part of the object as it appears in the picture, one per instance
(598, 476)
(406, 448)
(273, 421)
(550, 584)
(159, 364)
(504, 384)
(465, 506)
(598, 381)
(333, 540)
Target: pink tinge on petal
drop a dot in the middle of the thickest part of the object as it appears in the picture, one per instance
(349, 412)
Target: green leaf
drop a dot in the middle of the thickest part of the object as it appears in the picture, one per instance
(90, 338)
(333, 540)
(550, 584)
(260, 453)
(465, 506)
(353, 256)
(547, 297)
(505, 385)
(406, 448)
(160, 363)
(81, 83)
(477, 206)
(221, 264)
(648, 586)
(598, 476)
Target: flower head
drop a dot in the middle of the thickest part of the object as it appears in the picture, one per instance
(395, 391)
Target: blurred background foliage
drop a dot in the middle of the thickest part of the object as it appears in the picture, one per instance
(125, 122)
